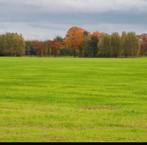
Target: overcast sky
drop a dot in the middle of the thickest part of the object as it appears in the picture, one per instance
(45, 19)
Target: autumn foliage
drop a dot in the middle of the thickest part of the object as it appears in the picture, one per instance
(74, 39)
(56, 45)
(143, 44)
(40, 48)
(78, 43)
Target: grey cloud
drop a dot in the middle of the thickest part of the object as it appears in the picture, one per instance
(44, 19)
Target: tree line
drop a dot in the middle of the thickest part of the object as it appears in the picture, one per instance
(77, 43)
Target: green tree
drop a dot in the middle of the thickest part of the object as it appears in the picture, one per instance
(86, 50)
(134, 44)
(12, 44)
(94, 46)
(115, 45)
(129, 44)
(104, 46)
(90, 46)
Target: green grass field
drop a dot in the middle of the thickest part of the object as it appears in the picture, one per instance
(73, 100)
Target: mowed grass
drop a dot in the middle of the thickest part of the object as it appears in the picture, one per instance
(73, 100)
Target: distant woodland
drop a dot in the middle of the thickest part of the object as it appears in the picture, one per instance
(77, 43)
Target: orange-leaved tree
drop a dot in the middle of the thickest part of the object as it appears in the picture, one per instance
(74, 39)
(40, 47)
(56, 45)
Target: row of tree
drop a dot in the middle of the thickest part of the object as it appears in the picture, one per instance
(126, 45)
(45, 48)
(97, 44)
(77, 43)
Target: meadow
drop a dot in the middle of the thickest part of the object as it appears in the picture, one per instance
(73, 99)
